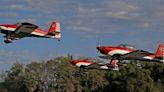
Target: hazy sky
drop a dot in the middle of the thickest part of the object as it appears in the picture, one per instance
(83, 23)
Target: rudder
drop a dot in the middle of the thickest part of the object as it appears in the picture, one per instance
(55, 30)
(160, 51)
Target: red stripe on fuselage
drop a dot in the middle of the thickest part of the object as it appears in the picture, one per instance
(39, 30)
(106, 49)
(152, 56)
(10, 26)
(74, 62)
(119, 48)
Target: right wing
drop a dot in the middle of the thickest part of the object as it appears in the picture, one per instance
(93, 66)
(135, 55)
(101, 67)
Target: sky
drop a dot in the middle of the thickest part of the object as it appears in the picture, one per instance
(84, 23)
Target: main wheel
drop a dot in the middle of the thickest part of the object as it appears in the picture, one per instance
(7, 41)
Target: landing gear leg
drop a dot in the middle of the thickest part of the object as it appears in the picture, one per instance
(113, 63)
(81, 71)
(7, 39)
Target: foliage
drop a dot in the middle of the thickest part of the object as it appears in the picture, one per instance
(57, 75)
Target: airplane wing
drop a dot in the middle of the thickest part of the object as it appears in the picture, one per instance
(25, 29)
(98, 66)
(138, 54)
(93, 66)
(106, 57)
(135, 55)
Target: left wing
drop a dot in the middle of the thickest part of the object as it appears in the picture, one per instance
(24, 30)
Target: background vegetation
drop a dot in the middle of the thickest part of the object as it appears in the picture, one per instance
(58, 75)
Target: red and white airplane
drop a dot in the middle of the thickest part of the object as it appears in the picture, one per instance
(127, 52)
(88, 64)
(24, 29)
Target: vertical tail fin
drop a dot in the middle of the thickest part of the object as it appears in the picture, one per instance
(160, 51)
(54, 30)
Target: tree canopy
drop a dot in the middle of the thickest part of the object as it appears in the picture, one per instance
(57, 75)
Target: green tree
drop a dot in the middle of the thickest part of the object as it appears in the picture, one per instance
(58, 75)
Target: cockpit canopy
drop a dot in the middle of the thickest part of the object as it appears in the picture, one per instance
(127, 46)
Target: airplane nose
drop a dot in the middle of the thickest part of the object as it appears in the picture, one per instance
(102, 50)
(72, 62)
(98, 48)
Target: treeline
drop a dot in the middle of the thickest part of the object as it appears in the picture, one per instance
(58, 75)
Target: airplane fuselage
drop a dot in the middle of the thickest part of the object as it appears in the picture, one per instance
(80, 63)
(10, 30)
(116, 50)
(111, 50)
(88, 65)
